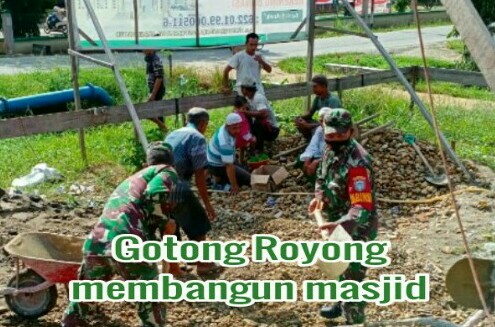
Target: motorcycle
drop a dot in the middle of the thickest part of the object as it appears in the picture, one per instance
(54, 24)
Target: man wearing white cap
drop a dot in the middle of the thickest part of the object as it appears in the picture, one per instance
(311, 157)
(221, 155)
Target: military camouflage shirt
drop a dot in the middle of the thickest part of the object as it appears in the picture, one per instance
(130, 208)
(345, 184)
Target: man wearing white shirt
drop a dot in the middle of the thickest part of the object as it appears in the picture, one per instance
(247, 63)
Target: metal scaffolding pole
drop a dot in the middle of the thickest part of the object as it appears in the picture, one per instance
(118, 75)
(74, 62)
(311, 45)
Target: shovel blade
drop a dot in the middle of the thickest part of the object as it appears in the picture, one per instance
(332, 270)
(438, 180)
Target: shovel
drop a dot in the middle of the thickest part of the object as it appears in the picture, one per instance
(432, 178)
(331, 270)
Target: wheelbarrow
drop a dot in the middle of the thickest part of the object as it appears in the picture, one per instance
(48, 259)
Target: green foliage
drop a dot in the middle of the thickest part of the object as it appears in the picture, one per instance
(456, 45)
(401, 5)
(429, 4)
(26, 15)
(113, 151)
(259, 158)
(486, 10)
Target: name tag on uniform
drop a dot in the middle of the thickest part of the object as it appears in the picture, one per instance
(359, 187)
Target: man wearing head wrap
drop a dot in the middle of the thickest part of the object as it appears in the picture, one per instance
(138, 206)
(311, 157)
(344, 190)
(221, 155)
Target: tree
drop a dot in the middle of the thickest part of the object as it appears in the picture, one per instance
(429, 4)
(486, 9)
(26, 15)
(401, 5)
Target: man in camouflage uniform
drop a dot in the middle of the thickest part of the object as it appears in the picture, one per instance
(345, 192)
(138, 207)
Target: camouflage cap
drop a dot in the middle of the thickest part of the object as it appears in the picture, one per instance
(338, 121)
(159, 153)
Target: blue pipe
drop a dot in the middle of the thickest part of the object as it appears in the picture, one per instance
(44, 100)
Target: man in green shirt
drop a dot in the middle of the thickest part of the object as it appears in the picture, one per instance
(305, 124)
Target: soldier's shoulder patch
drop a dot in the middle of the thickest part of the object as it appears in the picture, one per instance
(359, 187)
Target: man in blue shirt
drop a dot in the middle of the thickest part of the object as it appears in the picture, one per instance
(189, 146)
(311, 157)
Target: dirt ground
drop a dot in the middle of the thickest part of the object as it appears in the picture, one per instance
(425, 239)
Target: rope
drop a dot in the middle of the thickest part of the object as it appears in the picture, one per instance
(451, 188)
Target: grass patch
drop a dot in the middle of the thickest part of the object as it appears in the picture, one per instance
(297, 65)
(457, 91)
(113, 152)
(350, 25)
(456, 45)
(58, 79)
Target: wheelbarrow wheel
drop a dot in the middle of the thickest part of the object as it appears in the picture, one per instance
(31, 305)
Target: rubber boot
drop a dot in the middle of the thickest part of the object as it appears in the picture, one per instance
(331, 312)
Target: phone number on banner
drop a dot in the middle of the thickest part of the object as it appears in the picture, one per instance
(190, 21)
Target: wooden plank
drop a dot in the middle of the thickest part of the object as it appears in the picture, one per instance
(62, 121)
(368, 79)
(456, 76)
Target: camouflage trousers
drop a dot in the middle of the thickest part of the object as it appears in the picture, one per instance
(152, 314)
(354, 312)
(366, 231)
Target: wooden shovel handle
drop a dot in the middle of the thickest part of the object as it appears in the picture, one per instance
(427, 164)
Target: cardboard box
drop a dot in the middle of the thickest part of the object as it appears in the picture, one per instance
(268, 178)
